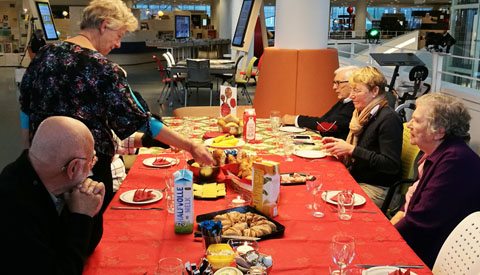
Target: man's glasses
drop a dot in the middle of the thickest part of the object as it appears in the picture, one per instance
(335, 82)
(93, 161)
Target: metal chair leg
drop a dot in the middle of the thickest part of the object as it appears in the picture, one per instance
(211, 92)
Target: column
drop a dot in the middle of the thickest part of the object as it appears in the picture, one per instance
(302, 24)
(221, 18)
(360, 17)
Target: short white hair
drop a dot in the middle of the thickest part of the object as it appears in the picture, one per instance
(347, 69)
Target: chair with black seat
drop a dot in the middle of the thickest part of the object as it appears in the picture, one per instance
(164, 74)
(243, 80)
(198, 76)
(409, 156)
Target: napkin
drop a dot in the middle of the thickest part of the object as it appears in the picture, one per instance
(400, 272)
(160, 161)
(335, 198)
(327, 127)
(209, 135)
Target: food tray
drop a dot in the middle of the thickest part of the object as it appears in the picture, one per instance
(297, 182)
(245, 209)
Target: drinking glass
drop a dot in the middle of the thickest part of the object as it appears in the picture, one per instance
(275, 121)
(345, 202)
(288, 147)
(318, 206)
(342, 249)
(312, 186)
(169, 266)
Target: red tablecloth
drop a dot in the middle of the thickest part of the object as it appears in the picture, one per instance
(134, 240)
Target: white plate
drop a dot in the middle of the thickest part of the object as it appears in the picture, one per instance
(291, 129)
(150, 161)
(209, 142)
(359, 199)
(383, 270)
(128, 196)
(310, 154)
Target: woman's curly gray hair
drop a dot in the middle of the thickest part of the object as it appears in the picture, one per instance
(446, 112)
(114, 12)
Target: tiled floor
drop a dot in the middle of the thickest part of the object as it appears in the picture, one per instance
(143, 78)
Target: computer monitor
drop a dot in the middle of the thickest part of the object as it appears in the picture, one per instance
(242, 23)
(182, 26)
(46, 18)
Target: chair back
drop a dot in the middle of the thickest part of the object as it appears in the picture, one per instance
(172, 60)
(167, 58)
(248, 73)
(408, 157)
(198, 71)
(259, 64)
(459, 252)
(409, 154)
(160, 66)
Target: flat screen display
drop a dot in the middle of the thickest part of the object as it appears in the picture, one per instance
(182, 26)
(242, 23)
(46, 18)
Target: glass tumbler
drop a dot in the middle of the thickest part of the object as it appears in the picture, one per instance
(169, 266)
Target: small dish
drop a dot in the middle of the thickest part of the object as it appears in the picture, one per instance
(169, 162)
(381, 270)
(220, 255)
(310, 154)
(243, 246)
(359, 199)
(209, 142)
(128, 196)
(229, 270)
(291, 129)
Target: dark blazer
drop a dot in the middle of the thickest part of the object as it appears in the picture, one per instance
(35, 238)
(340, 112)
(377, 154)
(446, 193)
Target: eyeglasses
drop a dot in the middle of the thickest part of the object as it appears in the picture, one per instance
(336, 82)
(356, 91)
(93, 161)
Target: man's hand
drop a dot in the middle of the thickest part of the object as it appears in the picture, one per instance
(337, 146)
(288, 120)
(201, 154)
(87, 198)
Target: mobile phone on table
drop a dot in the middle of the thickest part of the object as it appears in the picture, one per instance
(302, 137)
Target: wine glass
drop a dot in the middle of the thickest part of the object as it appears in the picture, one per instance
(343, 250)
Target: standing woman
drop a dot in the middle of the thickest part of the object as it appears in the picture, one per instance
(373, 147)
(75, 78)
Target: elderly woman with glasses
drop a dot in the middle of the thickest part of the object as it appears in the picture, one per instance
(374, 144)
(447, 190)
(75, 78)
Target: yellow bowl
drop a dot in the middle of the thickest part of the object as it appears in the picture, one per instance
(220, 255)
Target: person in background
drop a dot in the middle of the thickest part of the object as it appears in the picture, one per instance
(447, 190)
(48, 203)
(36, 42)
(129, 146)
(335, 121)
(373, 147)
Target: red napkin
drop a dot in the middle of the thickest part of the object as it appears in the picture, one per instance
(399, 272)
(327, 127)
(208, 135)
(160, 161)
(142, 195)
(335, 198)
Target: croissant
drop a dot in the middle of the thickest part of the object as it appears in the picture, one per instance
(240, 226)
(232, 232)
(265, 229)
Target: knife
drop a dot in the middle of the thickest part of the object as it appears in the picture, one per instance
(134, 208)
(243, 238)
(399, 266)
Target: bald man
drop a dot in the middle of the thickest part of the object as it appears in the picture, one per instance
(47, 202)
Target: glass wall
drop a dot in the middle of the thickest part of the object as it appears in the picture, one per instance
(149, 10)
